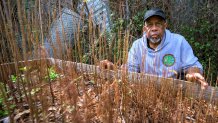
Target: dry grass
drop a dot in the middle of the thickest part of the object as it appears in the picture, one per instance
(91, 97)
(76, 96)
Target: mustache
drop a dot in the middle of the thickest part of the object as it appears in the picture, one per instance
(154, 33)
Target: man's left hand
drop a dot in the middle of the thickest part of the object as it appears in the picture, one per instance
(197, 77)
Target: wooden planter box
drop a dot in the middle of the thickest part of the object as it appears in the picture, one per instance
(209, 94)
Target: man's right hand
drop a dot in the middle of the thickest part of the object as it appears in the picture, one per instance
(105, 64)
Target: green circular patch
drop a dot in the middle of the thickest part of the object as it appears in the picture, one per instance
(169, 60)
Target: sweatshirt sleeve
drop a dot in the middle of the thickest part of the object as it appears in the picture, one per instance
(133, 58)
(188, 58)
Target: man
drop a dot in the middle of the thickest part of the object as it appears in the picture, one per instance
(161, 52)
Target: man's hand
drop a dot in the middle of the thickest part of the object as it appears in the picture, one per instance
(105, 64)
(197, 77)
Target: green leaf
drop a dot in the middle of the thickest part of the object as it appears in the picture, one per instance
(52, 74)
(13, 78)
(23, 68)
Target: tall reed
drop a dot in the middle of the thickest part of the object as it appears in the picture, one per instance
(52, 91)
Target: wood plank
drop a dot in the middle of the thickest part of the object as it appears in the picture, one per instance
(210, 93)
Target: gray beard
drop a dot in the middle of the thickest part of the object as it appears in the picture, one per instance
(154, 40)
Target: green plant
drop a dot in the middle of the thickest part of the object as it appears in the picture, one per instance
(52, 74)
(138, 23)
(3, 112)
(23, 68)
(13, 78)
(201, 38)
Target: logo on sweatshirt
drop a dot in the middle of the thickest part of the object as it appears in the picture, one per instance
(168, 60)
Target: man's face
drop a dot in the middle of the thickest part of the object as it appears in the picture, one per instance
(154, 28)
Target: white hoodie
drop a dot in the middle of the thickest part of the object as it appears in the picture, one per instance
(172, 56)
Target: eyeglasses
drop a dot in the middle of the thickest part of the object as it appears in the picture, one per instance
(157, 24)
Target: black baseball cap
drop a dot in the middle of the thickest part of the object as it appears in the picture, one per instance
(154, 12)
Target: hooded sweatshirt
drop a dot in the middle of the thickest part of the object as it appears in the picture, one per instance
(172, 56)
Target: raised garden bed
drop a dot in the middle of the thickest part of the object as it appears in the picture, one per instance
(52, 90)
